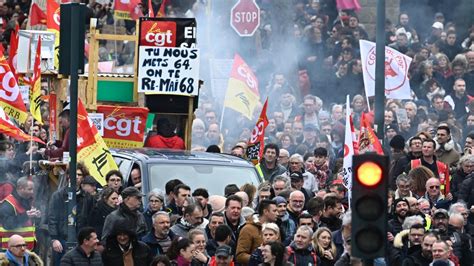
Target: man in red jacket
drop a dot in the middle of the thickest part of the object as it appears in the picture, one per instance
(165, 138)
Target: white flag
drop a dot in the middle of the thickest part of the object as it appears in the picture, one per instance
(397, 84)
(349, 141)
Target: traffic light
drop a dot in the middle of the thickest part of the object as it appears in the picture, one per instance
(369, 205)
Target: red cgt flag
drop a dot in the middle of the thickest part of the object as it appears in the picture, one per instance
(256, 141)
(9, 129)
(37, 16)
(53, 19)
(368, 141)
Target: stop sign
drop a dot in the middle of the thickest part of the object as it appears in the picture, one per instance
(245, 17)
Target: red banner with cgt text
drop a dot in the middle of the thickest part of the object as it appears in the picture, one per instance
(124, 127)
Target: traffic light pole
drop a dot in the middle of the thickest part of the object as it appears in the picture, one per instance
(74, 76)
(380, 70)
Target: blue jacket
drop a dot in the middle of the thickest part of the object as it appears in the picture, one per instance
(154, 245)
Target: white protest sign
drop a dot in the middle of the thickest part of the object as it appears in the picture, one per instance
(25, 93)
(168, 70)
(98, 120)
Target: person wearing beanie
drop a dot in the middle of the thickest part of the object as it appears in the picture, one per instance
(166, 137)
(286, 225)
(401, 208)
(398, 159)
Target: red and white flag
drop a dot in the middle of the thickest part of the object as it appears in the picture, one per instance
(350, 144)
(397, 84)
(256, 141)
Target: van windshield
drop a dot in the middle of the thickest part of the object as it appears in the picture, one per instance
(212, 177)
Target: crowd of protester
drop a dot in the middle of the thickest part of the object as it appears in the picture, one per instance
(299, 215)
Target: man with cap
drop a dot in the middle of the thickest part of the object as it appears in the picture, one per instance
(56, 150)
(398, 156)
(460, 242)
(283, 220)
(89, 185)
(223, 256)
(391, 130)
(297, 182)
(128, 212)
(436, 30)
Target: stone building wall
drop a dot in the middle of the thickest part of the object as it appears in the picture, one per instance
(368, 14)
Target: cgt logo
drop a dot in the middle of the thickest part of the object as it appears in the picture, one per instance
(123, 127)
(158, 33)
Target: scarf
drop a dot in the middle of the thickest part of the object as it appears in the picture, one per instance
(321, 174)
(182, 262)
(13, 260)
(127, 255)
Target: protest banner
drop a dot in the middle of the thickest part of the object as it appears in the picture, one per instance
(124, 127)
(167, 32)
(168, 70)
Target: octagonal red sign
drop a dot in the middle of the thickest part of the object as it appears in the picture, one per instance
(245, 17)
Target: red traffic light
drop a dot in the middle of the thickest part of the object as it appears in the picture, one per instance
(369, 174)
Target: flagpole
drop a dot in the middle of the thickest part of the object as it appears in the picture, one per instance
(222, 115)
(31, 145)
(380, 70)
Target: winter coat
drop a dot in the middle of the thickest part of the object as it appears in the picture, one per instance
(181, 228)
(466, 191)
(447, 153)
(270, 174)
(456, 180)
(302, 256)
(256, 258)
(250, 238)
(98, 215)
(400, 250)
(333, 223)
(77, 257)
(287, 229)
(113, 255)
(344, 260)
(159, 141)
(58, 212)
(134, 219)
(154, 245)
(32, 258)
(416, 259)
(8, 216)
